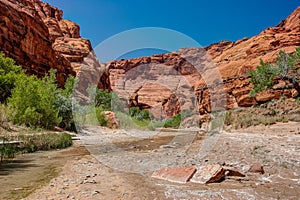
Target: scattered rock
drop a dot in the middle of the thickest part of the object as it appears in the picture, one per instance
(233, 172)
(112, 120)
(177, 174)
(95, 192)
(167, 146)
(256, 168)
(208, 174)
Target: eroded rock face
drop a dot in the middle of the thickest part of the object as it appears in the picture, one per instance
(156, 83)
(34, 34)
(232, 59)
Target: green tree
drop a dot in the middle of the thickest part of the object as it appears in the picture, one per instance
(63, 103)
(103, 99)
(285, 68)
(33, 101)
(8, 74)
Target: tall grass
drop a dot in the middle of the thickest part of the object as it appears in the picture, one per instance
(33, 142)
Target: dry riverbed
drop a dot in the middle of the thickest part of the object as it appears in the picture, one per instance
(121, 163)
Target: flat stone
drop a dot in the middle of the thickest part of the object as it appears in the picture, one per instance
(256, 168)
(208, 174)
(180, 174)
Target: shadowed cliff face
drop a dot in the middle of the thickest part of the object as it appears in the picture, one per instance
(232, 59)
(34, 34)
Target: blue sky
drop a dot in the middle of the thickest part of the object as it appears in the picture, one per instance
(206, 21)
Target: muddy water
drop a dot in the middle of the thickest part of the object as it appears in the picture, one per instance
(26, 173)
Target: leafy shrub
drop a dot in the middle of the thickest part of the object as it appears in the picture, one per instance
(33, 101)
(103, 99)
(126, 121)
(173, 122)
(133, 111)
(32, 143)
(116, 103)
(228, 118)
(101, 117)
(4, 117)
(7, 150)
(8, 74)
(138, 114)
(263, 77)
(44, 142)
(285, 68)
(63, 103)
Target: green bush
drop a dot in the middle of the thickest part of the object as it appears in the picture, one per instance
(35, 142)
(45, 142)
(229, 120)
(126, 121)
(286, 68)
(6, 150)
(4, 117)
(101, 117)
(173, 122)
(138, 114)
(33, 101)
(116, 103)
(63, 103)
(103, 99)
(8, 75)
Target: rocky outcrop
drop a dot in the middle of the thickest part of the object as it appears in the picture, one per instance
(112, 120)
(161, 83)
(35, 35)
(235, 59)
(169, 83)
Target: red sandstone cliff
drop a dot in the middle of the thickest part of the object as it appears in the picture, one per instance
(38, 38)
(35, 35)
(163, 82)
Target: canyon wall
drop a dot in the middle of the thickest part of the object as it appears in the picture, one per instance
(164, 83)
(36, 36)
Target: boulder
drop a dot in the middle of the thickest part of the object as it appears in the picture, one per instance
(209, 174)
(256, 168)
(180, 174)
(112, 120)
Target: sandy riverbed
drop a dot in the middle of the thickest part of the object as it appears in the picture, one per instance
(121, 163)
